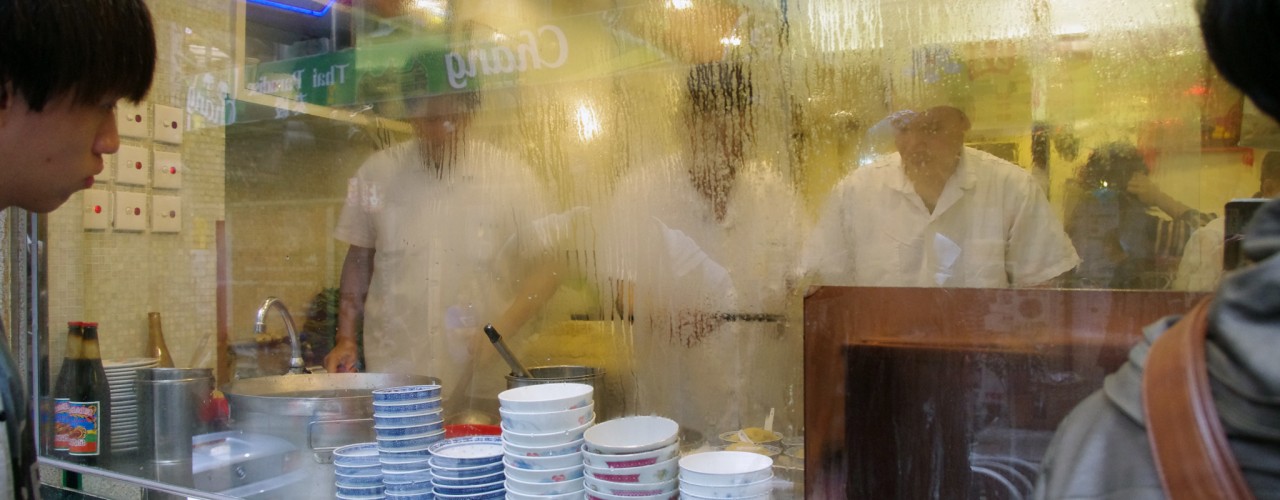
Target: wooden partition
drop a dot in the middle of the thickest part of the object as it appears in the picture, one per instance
(954, 393)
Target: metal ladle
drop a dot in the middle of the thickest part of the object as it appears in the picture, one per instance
(517, 369)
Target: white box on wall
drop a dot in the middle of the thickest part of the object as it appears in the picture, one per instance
(132, 165)
(97, 209)
(108, 165)
(131, 212)
(168, 124)
(168, 172)
(166, 214)
(132, 120)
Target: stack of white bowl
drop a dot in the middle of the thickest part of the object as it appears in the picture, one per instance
(632, 457)
(407, 421)
(468, 467)
(542, 428)
(726, 474)
(357, 471)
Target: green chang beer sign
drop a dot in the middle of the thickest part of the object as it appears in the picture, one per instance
(412, 68)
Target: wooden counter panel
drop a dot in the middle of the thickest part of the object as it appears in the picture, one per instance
(903, 384)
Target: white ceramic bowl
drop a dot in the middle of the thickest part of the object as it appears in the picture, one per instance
(631, 489)
(541, 423)
(761, 487)
(631, 434)
(542, 451)
(356, 455)
(544, 439)
(556, 488)
(725, 468)
(597, 495)
(516, 495)
(622, 460)
(542, 476)
(655, 473)
(684, 494)
(544, 463)
(546, 397)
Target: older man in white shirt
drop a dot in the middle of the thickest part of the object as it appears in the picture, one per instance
(938, 214)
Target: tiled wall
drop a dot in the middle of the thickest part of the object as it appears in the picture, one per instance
(117, 277)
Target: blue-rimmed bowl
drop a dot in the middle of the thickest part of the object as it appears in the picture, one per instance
(466, 451)
(478, 489)
(387, 431)
(401, 477)
(356, 455)
(358, 470)
(406, 393)
(409, 442)
(400, 408)
(492, 495)
(340, 496)
(425, 417)
(405, 454)
(408, 488)
(405, 464)
(465, 472)
(361, 491)
(426, 494)
(358, 481)
(470, 480)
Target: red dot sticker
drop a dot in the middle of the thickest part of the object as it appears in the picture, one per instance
(174, 125)
(137, 165)
(97, 209)
(173, 170)
(137, 211)
(137, 118)
(173, 213)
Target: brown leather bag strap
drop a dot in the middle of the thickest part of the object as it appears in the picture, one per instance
(1187, 440)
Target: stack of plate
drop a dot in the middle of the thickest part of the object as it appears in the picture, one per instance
(468, 467)
(542, 429)
(121, 374)
(407, 421)
(359, 475)
(632, 457)
(726, 474)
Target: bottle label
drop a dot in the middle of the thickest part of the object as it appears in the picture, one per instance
(61, 431)
(83, 430)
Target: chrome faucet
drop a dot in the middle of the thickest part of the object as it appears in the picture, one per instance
(295, 347)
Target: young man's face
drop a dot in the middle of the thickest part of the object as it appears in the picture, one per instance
(47, 156)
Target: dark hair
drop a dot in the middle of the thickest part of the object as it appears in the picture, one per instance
(1270, 166)
(88, 49)
(1243, 40)
(1111, 165)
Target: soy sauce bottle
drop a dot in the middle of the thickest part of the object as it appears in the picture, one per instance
(88, 415)
(62, 388)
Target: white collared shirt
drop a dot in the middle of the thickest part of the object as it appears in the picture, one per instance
(992, 227)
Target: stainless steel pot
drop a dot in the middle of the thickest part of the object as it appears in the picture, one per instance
(317, 412)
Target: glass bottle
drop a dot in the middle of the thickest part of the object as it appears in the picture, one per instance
(156, 347)
(62, 388)
(89, 405)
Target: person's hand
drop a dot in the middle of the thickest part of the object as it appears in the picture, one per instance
(342, 358)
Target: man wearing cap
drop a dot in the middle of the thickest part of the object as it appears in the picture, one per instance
(937, 213)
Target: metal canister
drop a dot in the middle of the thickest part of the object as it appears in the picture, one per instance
(589, 375)
(169, 403)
